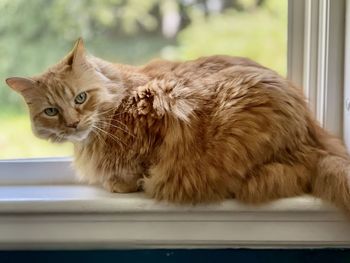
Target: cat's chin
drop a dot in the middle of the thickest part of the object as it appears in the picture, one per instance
(78, 136)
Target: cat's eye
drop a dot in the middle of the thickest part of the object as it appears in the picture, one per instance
(51, 111)
(80, 98)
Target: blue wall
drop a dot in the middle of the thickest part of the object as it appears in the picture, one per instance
(178, 256)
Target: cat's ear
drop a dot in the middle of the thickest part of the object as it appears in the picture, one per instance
(77, 56)
(20, 85)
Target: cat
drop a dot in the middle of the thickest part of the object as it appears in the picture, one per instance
(193, 132)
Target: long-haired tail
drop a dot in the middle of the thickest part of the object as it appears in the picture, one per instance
(332, 180)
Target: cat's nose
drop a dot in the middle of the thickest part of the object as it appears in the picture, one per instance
(73, 125)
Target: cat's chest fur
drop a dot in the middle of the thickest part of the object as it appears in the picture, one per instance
(123, 150)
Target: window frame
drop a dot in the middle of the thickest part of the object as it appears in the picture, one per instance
(85, 217)
(38, 212)
(313, 62)
(346, 107)
(37, 171)
(315, 57)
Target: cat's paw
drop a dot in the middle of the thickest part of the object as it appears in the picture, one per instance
(143, 98)
(147, 101)
(120, 187)
(140, 182)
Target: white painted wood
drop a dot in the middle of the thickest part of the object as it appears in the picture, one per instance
(316, 57)
(330, 84)
(85, 217)
(36, 171)
(68, 198)
(310, 61)
(346, 107)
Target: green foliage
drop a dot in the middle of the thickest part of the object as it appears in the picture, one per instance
(259, 34)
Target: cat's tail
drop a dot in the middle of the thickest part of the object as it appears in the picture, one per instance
(332, 179)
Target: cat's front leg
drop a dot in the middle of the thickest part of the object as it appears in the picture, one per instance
(123, 179)
(117, 185)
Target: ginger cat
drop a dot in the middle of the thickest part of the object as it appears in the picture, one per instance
(187, 132)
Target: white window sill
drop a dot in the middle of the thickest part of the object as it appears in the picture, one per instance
(76, 216)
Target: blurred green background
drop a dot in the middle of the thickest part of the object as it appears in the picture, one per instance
(35, 34)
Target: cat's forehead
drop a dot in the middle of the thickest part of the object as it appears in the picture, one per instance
(52, 81)
(52, 88)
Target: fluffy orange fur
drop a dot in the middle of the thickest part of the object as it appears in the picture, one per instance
(188, 132)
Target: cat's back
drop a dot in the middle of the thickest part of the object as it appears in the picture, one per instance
(233, 88)
(227, 85)
(195, 69)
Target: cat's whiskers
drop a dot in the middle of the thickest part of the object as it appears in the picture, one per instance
(117, 127)
(111, 115)
(99, 137)
(106, 111)
(106, 120)
(113, 137)
(55, 139)
(58, 138)
(98, 131)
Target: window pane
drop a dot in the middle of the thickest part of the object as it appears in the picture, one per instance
(36, 34)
